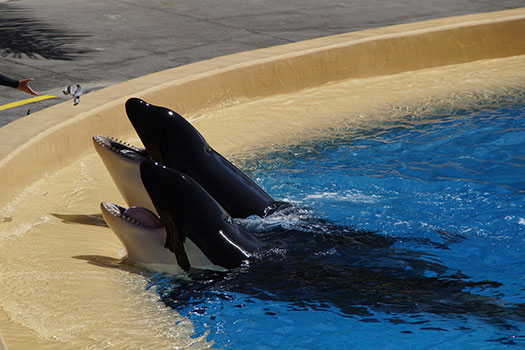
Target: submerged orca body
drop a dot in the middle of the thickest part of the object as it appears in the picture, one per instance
(172, 141)
(187, 211)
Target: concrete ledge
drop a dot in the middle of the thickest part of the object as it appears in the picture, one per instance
(47, 140)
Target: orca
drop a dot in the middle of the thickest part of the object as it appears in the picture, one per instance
(172, 141)
(187, 211)
(143, 236)
(122, 162)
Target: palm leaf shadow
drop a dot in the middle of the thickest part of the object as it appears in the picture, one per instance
(22, 34)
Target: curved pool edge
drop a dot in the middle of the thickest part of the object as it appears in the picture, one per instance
(49, 139)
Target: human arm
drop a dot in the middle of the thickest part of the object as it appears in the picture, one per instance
(6, 81)
(22, 85)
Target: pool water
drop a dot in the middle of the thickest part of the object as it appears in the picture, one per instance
(407, 235)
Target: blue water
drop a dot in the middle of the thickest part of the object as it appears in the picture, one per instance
(406, 236)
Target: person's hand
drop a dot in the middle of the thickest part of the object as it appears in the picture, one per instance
(23, 85)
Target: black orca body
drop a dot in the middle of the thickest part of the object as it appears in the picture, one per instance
(172, 141)
(187, 210)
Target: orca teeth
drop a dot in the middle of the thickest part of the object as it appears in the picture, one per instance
(101, 140)
(131, 220)
(117, 146)
(118, 211)
(113, 209)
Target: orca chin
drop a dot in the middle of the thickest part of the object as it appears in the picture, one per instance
(187, 211)
(172, 141)
(122, 162)
(143, 236)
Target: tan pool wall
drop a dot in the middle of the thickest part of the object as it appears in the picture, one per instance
(47, 140)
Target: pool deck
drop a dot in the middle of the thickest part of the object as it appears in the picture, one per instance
(101, 43)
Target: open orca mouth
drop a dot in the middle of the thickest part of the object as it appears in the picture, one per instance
(122, 148)
(135, 215)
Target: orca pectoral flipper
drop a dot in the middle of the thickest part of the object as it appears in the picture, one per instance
(174, 239)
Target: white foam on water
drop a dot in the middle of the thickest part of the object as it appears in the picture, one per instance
(345, 196)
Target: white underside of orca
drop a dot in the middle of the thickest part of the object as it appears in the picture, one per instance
(123, 166)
